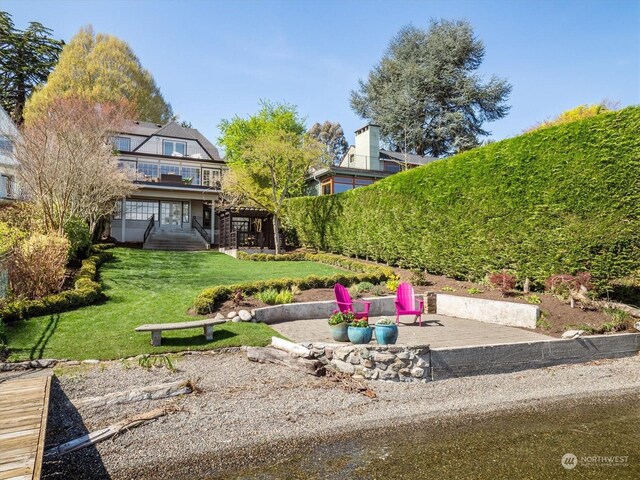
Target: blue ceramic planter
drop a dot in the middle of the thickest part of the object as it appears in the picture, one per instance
(339, 332)
(386, 334)
(360, 335)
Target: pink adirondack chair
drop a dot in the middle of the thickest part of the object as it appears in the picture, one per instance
(406, 303)
(345, 304)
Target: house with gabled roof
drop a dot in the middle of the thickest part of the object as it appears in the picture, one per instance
(364, 163)
(177, 171)
(9, 191)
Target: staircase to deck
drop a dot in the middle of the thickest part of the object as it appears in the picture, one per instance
(179, 240)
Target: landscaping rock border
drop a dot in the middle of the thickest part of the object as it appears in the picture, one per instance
(399, 363)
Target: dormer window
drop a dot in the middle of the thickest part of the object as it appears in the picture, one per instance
(6, 146)
(174, 149)
(122, 144)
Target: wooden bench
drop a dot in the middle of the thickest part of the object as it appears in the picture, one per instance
(157, 328)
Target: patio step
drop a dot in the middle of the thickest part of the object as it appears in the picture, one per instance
(185, 240)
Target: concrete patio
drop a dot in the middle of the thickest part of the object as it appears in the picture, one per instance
(437, 331)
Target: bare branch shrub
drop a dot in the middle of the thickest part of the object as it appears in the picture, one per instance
(37, 265)
(67, 165)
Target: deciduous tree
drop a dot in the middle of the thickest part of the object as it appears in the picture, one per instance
(269, 157)
(67, 165)
(26, 58)
(425, 93)
(331, 136)
(101, 68)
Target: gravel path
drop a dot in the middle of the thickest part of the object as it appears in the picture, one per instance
(245, 412)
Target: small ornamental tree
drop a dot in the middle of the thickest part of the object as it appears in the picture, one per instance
(269, 157)
(67, 166)
(504, 281)
(574, 285)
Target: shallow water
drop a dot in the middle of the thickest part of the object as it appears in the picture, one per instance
(529, 443)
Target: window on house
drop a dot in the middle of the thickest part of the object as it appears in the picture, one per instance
(170, 169)
(122, 144)
(391, 167)
(192, 173)
(342, 187)
(136, 210)
(240, 224)
(148, 171)
(129, 166)
(326, 188)
(185, 212)
(360, 182)
(211, 177)
(169, 147)
(6, 145)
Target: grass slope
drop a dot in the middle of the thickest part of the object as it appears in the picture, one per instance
(149, 287)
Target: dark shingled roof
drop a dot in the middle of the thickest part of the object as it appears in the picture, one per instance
(172, 129)
(144, 129)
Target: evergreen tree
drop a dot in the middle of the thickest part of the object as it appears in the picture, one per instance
(26, 58)
(330, 135)
(101, 68)
(425, 95)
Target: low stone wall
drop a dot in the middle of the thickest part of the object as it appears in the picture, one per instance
(398, 363)
(312, 310)
(504, 358)
(488, 311)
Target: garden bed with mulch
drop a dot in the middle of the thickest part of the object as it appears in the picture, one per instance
(557, 314)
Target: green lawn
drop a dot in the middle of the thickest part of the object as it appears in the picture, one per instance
(150, 287)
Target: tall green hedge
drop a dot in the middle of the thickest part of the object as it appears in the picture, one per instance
(558, 200)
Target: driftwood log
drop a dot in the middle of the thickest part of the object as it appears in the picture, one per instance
(151, 392)
(106, 433)
(273, 355)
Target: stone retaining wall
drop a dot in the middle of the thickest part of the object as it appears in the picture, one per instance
(377, 362)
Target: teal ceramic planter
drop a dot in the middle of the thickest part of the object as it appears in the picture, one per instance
(339, 332)
(360, 335)
(386, 334)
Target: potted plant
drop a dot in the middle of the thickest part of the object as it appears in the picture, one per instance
(359, 331)
(338, 323)
(386, 331)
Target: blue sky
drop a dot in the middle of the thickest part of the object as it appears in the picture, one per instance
(217, 59)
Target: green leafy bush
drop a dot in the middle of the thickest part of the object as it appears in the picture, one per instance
(77, 232)
(86, 291)
(9, 237)
(560, 199)
(268, 296)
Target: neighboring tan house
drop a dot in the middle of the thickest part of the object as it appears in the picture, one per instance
(178, 173)
(8, 164)
(362, 165)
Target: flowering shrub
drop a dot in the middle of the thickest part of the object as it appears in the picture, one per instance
(393, 283)
(385, 321)
(363, 323)
(341, 317)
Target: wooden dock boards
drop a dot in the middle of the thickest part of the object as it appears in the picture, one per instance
(24, 404)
